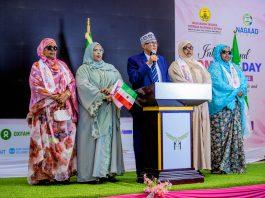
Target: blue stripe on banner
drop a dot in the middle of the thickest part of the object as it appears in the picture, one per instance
(126, 131)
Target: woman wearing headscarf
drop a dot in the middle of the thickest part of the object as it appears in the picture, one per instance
(227, 113)
(52, 117)
(187, 70)
(99, 146)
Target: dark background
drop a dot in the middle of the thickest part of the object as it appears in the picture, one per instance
(116, 24)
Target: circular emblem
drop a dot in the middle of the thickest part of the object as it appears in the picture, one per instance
(205, 14)
(5, 134)
(12, 151)
(247, 19)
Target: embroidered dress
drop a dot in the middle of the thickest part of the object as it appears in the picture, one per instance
(227, 115)
(52, 156)
(98, 133)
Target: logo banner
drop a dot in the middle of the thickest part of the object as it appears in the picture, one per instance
(207, 23)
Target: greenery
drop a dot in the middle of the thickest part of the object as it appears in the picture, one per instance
(18, 187)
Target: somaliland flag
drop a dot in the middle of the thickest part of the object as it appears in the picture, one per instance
(123, 95)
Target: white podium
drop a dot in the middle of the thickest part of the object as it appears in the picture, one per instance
(167, 125)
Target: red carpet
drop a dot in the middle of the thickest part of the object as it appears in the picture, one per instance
(254, 191)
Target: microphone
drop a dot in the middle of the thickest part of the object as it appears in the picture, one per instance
(153, 52)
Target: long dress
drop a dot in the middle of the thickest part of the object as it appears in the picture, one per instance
(227, 116)
(52, 155)
(180, 71)
(98, 134)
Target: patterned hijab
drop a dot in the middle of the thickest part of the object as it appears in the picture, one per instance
(52, 63)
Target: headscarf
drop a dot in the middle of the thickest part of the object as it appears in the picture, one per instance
(191, 62)
(38, 90)
(224, 95)
(52, 63)
(218, 58)
(88, 56)
(88, 59)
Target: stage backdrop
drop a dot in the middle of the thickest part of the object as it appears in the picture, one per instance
(14, 146)
(116, 24)
(206, 23)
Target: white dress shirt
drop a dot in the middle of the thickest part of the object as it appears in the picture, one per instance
(157, 68)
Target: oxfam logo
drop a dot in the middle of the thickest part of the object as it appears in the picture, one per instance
(247, 19)
(5, 134)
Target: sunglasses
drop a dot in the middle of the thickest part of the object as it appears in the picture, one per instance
(226, 52)
(50, 48)
(188, 47)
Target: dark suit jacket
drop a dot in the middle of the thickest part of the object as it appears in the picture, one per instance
(140, 73)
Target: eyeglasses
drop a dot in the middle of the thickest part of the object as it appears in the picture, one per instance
(188, 47)
(50, 48)
(151, 43)
(226, 52)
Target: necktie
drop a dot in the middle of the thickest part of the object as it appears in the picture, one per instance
(154, 73)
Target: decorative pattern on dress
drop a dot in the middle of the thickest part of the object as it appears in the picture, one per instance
(52, 154)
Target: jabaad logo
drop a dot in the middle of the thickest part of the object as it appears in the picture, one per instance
(205, 14)
(247, 19)
(6, 134)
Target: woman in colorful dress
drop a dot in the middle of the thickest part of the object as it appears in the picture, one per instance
(99, 149)
(52, 118)
(187, 70)
(228, 121)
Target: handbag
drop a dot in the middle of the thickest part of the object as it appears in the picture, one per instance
(61, 115)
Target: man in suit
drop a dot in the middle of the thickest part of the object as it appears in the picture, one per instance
(144, 69)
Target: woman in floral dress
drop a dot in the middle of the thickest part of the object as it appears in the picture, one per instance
(52, 155)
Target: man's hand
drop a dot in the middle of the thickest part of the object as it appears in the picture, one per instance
(153, 58)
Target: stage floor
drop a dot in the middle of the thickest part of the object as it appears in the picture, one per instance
(18, 187)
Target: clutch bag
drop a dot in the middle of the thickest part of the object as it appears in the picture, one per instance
(61, 115)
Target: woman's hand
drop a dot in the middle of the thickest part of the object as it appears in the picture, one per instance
(61, 98)
(55, 97)
(240, 93)
(105, 91)
(108, 98)
(64, 96)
